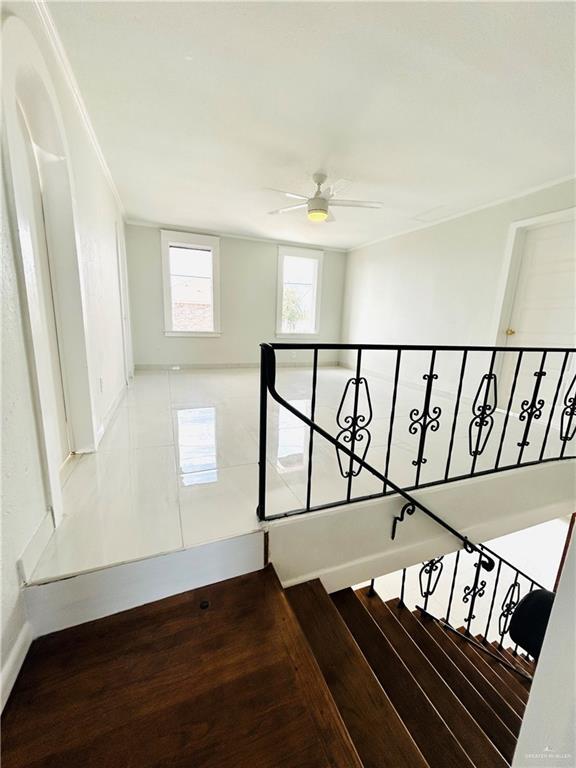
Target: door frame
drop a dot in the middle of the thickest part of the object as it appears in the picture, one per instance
(27, 86)
(513, 263)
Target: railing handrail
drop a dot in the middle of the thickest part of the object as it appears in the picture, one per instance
(411, 347)
(269, 378)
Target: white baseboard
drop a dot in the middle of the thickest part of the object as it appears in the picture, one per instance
(29, 558)
(207, 366)
(75, 600)
(14, 661)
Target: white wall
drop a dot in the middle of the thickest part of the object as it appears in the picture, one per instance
(24, 502)
(96, 214)
(248, 270)
(441, 284)
(548, 733)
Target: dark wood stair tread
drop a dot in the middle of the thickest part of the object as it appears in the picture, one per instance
(462, 687)
(490, 693)
(508, 678)
(436, 742)
(172, 683)
(478, 659)
(513, 658)
(380, 737)
(503, 654)
(476, 743)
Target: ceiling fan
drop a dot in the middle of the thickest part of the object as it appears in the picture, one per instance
(319, 204)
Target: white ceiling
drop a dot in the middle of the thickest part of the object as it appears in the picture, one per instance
(446, 106)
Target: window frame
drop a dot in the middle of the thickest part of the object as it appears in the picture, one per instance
(306, 253)
(191, 240)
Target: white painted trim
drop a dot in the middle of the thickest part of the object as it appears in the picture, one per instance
(461, 214)
(171, 237)
(510, 272)
(109, 416)
(208, 366)
(77, 599)
(302, 253)
(14, 661)
(135, 222)
(60, 53)
(29, 558)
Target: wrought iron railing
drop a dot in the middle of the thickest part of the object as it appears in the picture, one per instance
(460, 411)
(456, 590)
(495, 396)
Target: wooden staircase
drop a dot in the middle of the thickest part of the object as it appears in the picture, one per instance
(244, 674)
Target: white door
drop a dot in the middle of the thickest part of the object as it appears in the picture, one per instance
(50, 318)
(543, 316)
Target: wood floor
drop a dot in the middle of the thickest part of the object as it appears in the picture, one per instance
(243, 674)
(173, 683)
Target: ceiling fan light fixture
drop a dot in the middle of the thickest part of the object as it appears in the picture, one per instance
(317, 209)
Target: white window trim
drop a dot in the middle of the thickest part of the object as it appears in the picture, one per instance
(305, 253)
(189, 240)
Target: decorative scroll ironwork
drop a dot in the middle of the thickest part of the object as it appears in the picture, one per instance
(531, 409)
(483, 408)
(407, 509)
(510, 602)
(430, 572)
(353, 426)
(568, 420)
(477, 590)
(424, 420)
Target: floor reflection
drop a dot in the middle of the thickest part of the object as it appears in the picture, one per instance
(292, 434)
(197, 448)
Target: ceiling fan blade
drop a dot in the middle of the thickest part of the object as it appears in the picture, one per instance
(288, 208)
(357, 203)
(337, 186)
(330, 217)
(294, 195)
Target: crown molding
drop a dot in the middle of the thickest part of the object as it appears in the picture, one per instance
(135, 222)
(461, 214)
(62, 58)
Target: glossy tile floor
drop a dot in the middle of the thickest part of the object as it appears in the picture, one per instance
(178, 463)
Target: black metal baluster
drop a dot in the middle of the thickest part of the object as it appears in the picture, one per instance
(402, 587)
(456, 409)
(487, 630)
(508, 604)
(482, 417)
(508, 409)
(554, 401)
(569, 411)
(393, 411)
(456, 561)
(472, 593)
(311, 436)
(425, 419)
(532, 409)
(371, 590)
(261, 510)
(354, 424)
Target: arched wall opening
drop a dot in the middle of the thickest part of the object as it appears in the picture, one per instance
(39, 182)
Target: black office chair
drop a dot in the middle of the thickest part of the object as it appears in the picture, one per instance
(530, 619)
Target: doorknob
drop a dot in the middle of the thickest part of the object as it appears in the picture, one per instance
(510, 331)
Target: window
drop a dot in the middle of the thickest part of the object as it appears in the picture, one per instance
(299, 280)
(190, 271)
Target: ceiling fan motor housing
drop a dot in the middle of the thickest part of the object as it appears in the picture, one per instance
(317, 204)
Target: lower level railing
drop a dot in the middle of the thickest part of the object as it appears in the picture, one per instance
(456, 590)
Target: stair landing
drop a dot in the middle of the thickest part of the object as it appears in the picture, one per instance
(218, 677)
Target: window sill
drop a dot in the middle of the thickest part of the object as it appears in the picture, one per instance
(297, 335)
(196, 334)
